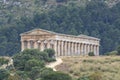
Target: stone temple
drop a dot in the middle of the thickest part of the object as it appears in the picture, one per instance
(64, 45)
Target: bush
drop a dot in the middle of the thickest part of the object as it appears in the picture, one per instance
(51, 52)
(118, 50)
(112, 53)
(96, 76)
(3, 61)
(84, 78)
(56, 76)
(91, 54)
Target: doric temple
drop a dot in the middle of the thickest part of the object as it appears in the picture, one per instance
(64, 45)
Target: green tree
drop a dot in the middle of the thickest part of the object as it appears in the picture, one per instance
(3, 74)
(51, 52)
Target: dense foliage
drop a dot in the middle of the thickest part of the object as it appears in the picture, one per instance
(95, 19)
(30, 65)
(3, 61)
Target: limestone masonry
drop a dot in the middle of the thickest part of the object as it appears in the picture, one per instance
(64, 45)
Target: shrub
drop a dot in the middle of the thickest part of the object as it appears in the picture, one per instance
(112, 53)
(3, 61)
(84, 78)
(91, 54)
(95, 76)
(118, 50)
(56, 76)
(51, 52)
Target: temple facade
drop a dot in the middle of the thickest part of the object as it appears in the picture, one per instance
(64, 45)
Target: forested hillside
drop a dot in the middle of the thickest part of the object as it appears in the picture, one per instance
(94, 18)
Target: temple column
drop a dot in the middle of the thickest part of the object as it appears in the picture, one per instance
(59, 48)
(75, 48)
(82, 49)
(23, 45)
(85, 49)
(68, 48)
(72, 46)
(91, 48)
(28, 44)
(97, 50)
(35, 45)
(62, 48)
(78, 48)
(55, 47)
(65, 48)
(48, 44)
(88, 49)
(42, 45)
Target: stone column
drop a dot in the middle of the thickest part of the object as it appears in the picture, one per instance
(48, 44)
(42, 45)
(81, 49)
(88, 49)
(55, 47)
(78, 48)
(58, 48)
(28, 46)
(91, 48)
(75, 48)
(35, 44)
(65, 48)
(62, 53)
(72, 47)
(85, 49)
(69, 49)
(97, 50)
(22, 45)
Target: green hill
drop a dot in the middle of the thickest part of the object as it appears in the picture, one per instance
(94, 18)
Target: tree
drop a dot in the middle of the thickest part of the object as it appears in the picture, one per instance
(3, 74)
(51, 52)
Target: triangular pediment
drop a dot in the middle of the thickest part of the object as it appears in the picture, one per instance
(38, 32)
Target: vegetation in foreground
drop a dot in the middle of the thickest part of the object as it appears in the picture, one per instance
(92, 68)
(3, 61)
(30, 65)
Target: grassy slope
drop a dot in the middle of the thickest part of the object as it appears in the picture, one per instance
(108, 66)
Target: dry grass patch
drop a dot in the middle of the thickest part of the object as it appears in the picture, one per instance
(108, 66)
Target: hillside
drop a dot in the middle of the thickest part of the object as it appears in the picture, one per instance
(107, 67)
(94, 18)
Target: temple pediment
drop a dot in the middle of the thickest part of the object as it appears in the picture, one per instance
(38, 32)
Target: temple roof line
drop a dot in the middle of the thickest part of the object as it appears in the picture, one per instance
(79, 36)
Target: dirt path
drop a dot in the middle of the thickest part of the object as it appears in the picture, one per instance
(9, 63)
(54, 64)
